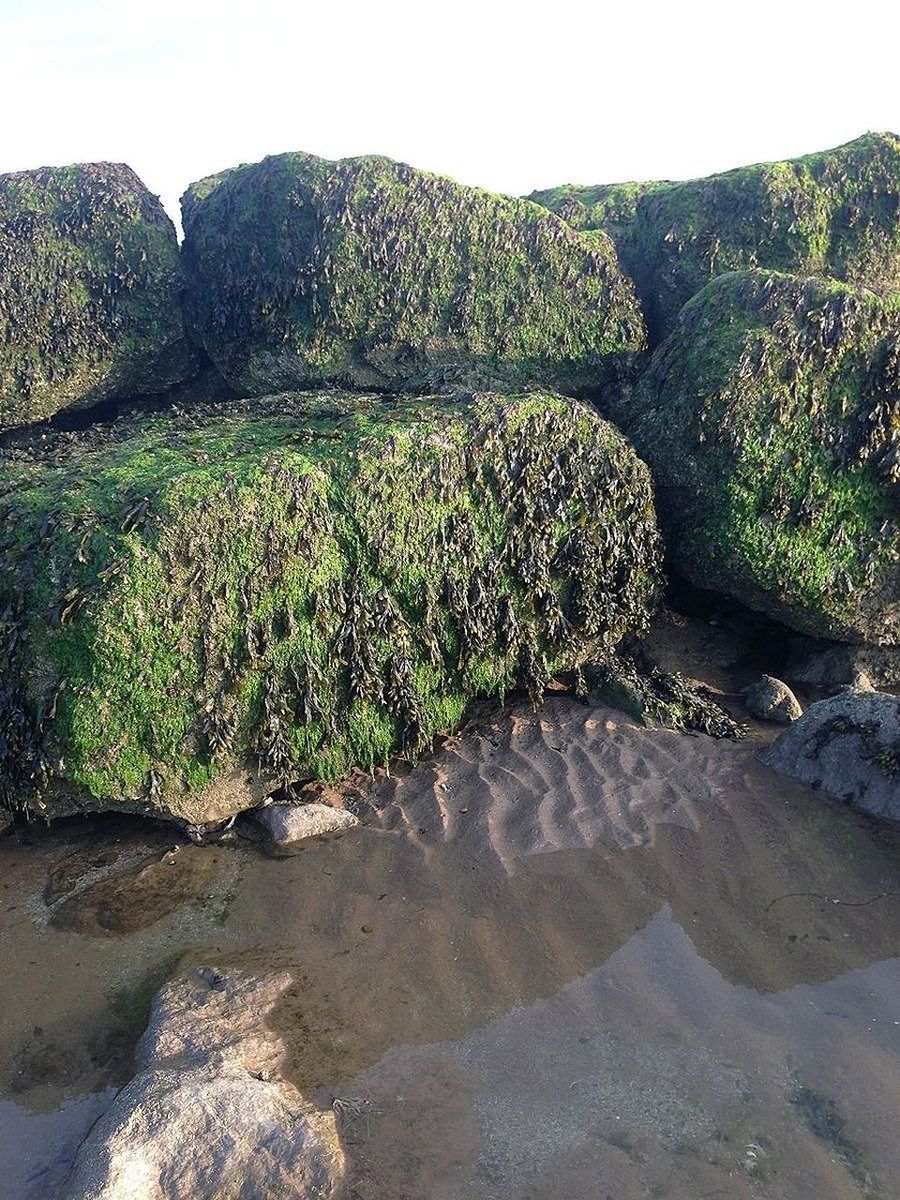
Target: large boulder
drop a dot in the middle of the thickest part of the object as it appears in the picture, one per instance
(90, 291)
(365, 271)
(200, 607)
(835, 213)
(208, 1114)
(771, 420)
(849, 746)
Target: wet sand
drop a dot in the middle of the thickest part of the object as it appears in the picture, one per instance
(566, 956)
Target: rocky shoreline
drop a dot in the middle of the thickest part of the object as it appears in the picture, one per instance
(282, 506)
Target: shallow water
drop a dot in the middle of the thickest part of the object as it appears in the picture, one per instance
(567, 957)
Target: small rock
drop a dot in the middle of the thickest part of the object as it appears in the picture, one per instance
(771, 700)
(285, 826)
(860, 682)
(849, 746)
(208, 1113)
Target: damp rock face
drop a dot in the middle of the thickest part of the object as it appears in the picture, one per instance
(90, 291)
(835, 213)
(367, 272)
(849, 746)
(771, 420)
(202, 606)
(207, 1113)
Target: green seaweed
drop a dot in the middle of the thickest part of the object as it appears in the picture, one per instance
(834, 213)
(90, 291)
(771, 419)
(298, 586)
(369, 273)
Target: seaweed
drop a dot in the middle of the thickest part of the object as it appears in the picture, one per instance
(771, 420)
(299, 585)
(90, 291)
(835, 213)
(374, 275)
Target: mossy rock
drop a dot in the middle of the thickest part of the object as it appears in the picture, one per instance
(835, 213)
(369, 273)
(771, 420)
(201, 606)
(90, 291)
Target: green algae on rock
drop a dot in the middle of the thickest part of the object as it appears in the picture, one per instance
(90, 291)
(203, 605)
(771, 420)
(835, 213)
(369, 273)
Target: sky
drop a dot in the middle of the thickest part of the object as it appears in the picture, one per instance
(508, 96)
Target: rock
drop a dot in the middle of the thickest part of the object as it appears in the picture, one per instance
(771, 700)
(849, 746)
(285, 826)
(201, 607)
(834, 213)
(368, 272)
(90, 291)
(658, 699)
(207, 1115)
(771, 421)
(840, 664)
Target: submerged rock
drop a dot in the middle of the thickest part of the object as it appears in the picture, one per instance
(201, 607)
(771, 420)
(286, 826)
(834, 213)
(90, 291)
(207, 1114)
(849, 746)
(368, 272)
(771, 700)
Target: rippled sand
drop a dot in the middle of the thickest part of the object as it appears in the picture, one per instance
(567, 956)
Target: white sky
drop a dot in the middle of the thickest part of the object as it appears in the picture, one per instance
(492, 93)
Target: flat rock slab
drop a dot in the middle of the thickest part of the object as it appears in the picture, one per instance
(286, 826)
(208, 1115)
(849, 746)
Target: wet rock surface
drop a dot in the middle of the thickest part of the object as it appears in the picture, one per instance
(207, 1113)
(849, 746)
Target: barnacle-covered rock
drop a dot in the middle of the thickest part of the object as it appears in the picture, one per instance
(201, 606)
(90, 291)
(771, 420)
(370, 273)
(835, 213)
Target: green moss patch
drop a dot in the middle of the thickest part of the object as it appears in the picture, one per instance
(771, 419)
(90, 291)
(834, 213)
(297, 586)
(367, 272)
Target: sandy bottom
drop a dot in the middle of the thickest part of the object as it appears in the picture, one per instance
(566, 957)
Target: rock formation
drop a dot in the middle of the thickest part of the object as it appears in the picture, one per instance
(90, 291)
(849, 746)
(771, 419)
(835, 213)
(369, 273)
(201, 606)
(207, 1114)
